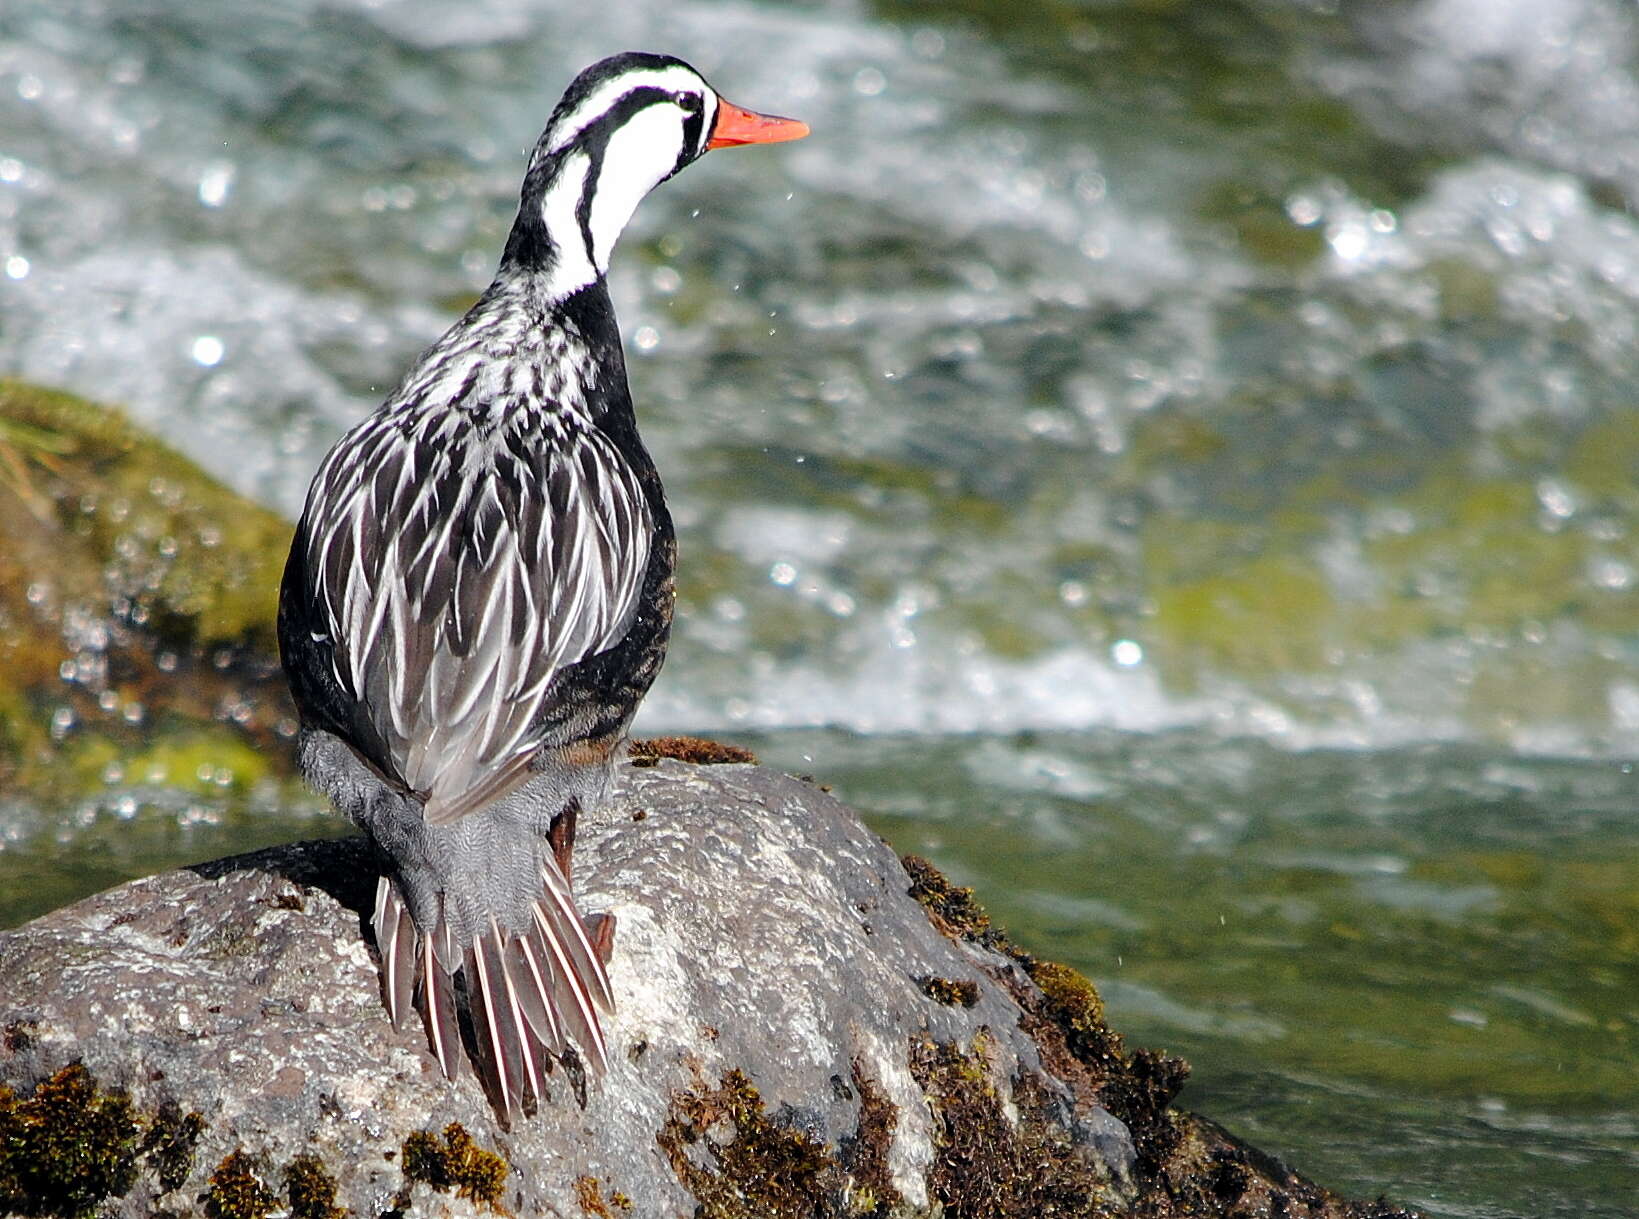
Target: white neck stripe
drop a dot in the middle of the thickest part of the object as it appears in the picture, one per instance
(572, 267)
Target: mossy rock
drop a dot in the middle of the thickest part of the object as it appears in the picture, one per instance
(137, 605)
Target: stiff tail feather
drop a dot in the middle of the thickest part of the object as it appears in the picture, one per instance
(530, 993)
(396, 938)
(437, 994)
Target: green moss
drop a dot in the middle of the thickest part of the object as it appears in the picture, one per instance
(204, 562)
(1604, 462)
(759, 1168)
(1261, 225)
(589, 1197)
(457, 1164)
(1065, 1016)
(168, 1146)
(236, 1192)
(107, 535)
(950, 991)
(310, 1190)
(65, 1148)
(987, 1165)
(1210, 1172)
(953, 909)
(1468, 292)
(1074, 1005)
(1065, 999)
(193, 759)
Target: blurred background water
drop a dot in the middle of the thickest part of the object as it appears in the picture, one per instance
(1174, 464)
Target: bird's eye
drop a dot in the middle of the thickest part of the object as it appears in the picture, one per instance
(690, 102)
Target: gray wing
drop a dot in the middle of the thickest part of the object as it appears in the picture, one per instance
(457, 580)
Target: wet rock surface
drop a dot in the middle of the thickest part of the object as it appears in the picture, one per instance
(805, 1026)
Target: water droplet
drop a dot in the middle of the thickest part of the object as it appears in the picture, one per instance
(1612, 574)
(1555, 497)
(216, 183)
(17, 267)
(62, 719)
(1303, 210)
(1348, 241)
(929, 44)
(207, 351)
(1127, 653)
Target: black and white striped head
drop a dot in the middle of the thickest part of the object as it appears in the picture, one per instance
(624, 126)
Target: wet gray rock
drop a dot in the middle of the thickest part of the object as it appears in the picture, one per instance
(762, 928)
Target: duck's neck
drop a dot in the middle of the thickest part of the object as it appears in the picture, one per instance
(574, 204)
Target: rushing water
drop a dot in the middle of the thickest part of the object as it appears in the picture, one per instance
(1236, 396)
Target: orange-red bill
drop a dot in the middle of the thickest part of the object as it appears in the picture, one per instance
(737, 126)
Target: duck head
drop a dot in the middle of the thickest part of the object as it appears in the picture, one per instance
(625, 125)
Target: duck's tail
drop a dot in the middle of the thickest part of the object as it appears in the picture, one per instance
(530, 986)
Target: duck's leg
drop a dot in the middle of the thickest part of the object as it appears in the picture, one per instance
(561, 836)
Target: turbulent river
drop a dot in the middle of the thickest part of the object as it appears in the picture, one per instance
(1174, 464)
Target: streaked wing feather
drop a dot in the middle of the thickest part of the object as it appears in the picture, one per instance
(456, 590)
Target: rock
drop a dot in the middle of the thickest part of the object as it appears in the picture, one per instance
(805, 1026)
(135, 590)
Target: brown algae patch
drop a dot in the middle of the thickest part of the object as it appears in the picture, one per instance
(169, 1145)
(952, 992)
(951, 908)
(1184, 1165)
(988, 1165)
(310, 1189)
(237, 1192)
(67, 1147)
(697, 751)
(758, 1168)
(457, 1164)
(589, 1197)
(864, 1154)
